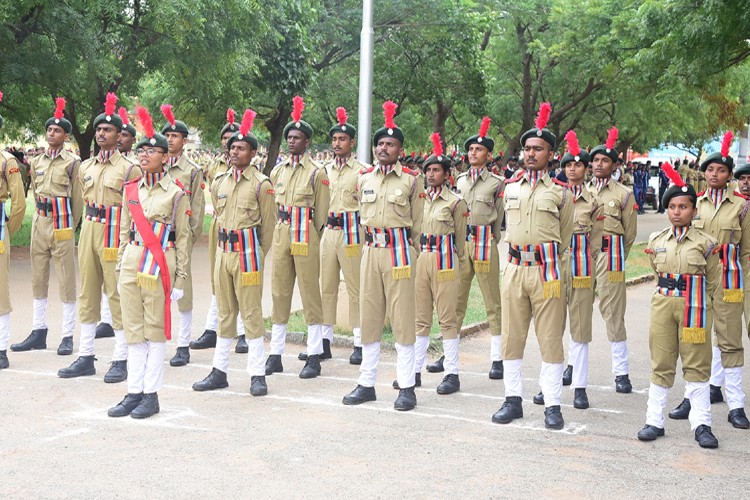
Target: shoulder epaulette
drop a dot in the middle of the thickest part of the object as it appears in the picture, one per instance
(462, 174)
(701, 193)
(366, 170)
(559, 182)
(515, 178)
(132, 181)
(740, 195)
(409, 171)
(498, 177)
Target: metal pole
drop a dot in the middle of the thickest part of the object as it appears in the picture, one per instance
(364, 120)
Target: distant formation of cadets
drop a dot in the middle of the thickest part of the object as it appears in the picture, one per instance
(408, 242)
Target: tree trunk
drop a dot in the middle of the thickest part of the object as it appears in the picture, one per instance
(275, 126)
(442, 111)
(84, 140)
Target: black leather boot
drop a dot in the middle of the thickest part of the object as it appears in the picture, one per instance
(104, 330)
(650, 433)
(406, 400)
(327, 354)
(207, 340)
(125, 406)
(496, 370)
(311, 368)
(273, 364)
(149, 406)
(580, 399)
(449, 385)
(4, 363)
(181, 357)
(511, 410)
(623, 385)
(568, 375)
(417, 381)
(241, 347)
(539, 399)
(258, 386)
(81, 367)
(715, 394)
(37, 339)
(437, 366)
(118, 372)
(359, 395)
(738, 419)
(217, 379)
(553, 418)
(66, 347)
(356, 356)
(705, 437)
(682, 411)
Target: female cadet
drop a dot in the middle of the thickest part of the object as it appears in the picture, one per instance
(154, 234)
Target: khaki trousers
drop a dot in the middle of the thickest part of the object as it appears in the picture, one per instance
(213, 242)
(334, 261)
(728, 331)
(233, 298)
(667, 314)
(287, 268)
(5, 306)
(95, 273)
(579, 302)
(382, 297)
(442, 294)
(523, 293)
(612, 301)
(185, 304)
(142, 308)
(63, 253)
(489, 285)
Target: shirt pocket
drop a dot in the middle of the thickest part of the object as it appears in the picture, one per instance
(280, 194)
(612, 216)
(699, 223)
(696, 263)
(446, 223)
(221, 204)
(513, 212)
(349, 200)
(114, 185)
(249, 208)
(399, 203)
(368, 205)
(728, 229)
(483, 207)
(61, 181)
(548, 215)
(304, 197)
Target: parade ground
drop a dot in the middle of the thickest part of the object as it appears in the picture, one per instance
(300, 441)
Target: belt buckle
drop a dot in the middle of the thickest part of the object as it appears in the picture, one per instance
(528, 256)
(379, 239)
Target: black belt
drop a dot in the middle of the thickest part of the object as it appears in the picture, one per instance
(369, 238)
(605, 243)
(432, 239)
(171, 236)
(285, 216)
(335, 221)
(99, 213)
(516, 254)
(672, 284)
(46, 207)
(472, 230)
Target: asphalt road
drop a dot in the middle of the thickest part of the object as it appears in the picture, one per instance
(301, 442)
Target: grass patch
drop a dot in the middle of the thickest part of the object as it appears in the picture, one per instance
(638, 263)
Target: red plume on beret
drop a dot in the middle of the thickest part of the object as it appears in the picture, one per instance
(573, 146)
(123, 115)
(230, 116)
(437, 144)
(674, 177)
(389, 111)
(166, 110)
(59, 107)
(413, 155)
(341, 115)
(298, 106)
(485, 126)
(545, 109)
(1, 97)
(109, 104)
(146, 121)
(611, 137)
(726, 143)
(248, 118)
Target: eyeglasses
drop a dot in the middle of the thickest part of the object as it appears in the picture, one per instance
(148, 152)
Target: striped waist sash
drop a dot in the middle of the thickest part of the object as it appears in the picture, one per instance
(397, 240)
(693, 288)
(444, 246)
(246, 242)
(348, 222)
(482, 236)
(110, 217)
(148, 269)
(298, 220)
(59, 210)
(614, 246)
(731, 275)
(3, 228)
(580, 260)
(545, 255)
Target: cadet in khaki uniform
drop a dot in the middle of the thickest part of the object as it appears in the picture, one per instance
(102, 178)
(11, 186)
(218, 166)
(539, 225)
(742, 175)
(688, 273)
(620, 226)
(57, 191)
(392, 207)
(483, 192)
(302, 198)
(577, 266)
(155, 208)
(245, 215)
(438, 266)
(723, 214)
(189, 177)
(341, 244)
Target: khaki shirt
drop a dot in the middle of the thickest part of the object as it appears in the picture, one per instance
(729, 224)
(58, 178)
(245, 204)
(11, 186)
(693, 255)
(344, 194)
(217, 167)
(448, 214)
(393, 200)
(304, 185)
(540, 215)
(588, 218)
(166, 203)
(485, 199)
(620, 216)
(102, 182)
(190, 176)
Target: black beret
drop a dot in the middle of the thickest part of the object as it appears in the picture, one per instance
(249, 138)
(229, 127)
(742, 170)
(482, 141)
(675, 190)
(396, 133)
(345, 129)
(157, 141)
(108, 119)
(179, 126)
(129, 128)
(728, 161)
(583, 157)
(601, 149)
(544, 133)
(300, 125)
(442, 160)
(63, 123)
